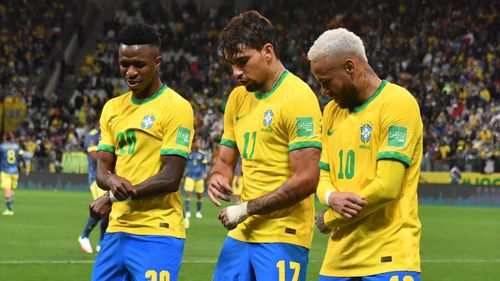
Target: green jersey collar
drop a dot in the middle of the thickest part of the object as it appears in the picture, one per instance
(268, 93)
(148, 99)
(377, 92)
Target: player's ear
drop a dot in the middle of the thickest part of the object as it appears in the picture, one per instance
(158, 61)
(268, 51)
(349, 66)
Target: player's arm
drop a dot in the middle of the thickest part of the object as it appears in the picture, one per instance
(166, 181)
(385, 188)
(300, 185)
(222, 174)
(303, 182)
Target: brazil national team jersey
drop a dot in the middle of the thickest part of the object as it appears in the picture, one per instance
(387, 126)
(91, 142)
(197, 165)
(10, 153)
(138, 132)
(265, 128)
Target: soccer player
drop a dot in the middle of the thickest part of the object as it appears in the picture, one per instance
(91, 141)
(195, 178)
(9, 170)
(370, 165)
(273, 120)
(146, 137)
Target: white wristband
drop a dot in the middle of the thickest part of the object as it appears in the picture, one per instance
(114, 199)
(327, 197)
(237, 213)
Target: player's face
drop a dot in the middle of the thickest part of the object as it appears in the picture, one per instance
(250, 68)
(334, 81)
(139, 66)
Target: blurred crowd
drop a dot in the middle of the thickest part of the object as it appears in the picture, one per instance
(444, 52)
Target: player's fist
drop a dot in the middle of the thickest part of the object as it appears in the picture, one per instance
(320, 222)
(100, 207)
(233, 215)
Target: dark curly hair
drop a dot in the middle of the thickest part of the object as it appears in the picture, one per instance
(139, 34)
(249, 29)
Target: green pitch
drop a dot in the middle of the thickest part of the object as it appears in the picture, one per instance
(40, 241)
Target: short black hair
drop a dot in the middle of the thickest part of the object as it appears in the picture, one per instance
(250, 29)
(139, 34)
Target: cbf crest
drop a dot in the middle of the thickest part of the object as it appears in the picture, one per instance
(268, 118)
(366, 133)
(147, 122)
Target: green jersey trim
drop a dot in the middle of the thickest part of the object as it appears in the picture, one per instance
(270, 92)
(173, 151)
(394, 155)
(148, 99)
(106, 147)
(324, 166)
(304, 144)
(228, 143)
(377, 92)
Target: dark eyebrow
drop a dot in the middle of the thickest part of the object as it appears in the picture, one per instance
(240, 60)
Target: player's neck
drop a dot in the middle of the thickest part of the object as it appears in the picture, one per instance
(274, 78)
(369, 88)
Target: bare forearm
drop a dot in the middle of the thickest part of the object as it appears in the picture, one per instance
(102, 181)
(161, 183)
(290, 193)
(222, 169)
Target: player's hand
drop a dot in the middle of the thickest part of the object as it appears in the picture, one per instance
(218, 187)
(347, 204)
(122, 188)
(100, 207)
(233, 215)
(320, 223)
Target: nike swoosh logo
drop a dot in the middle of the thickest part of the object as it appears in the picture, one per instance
(238, 117)
(329, 133)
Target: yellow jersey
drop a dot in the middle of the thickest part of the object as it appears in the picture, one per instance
(387, 126)
(264, 128)
(138, 132)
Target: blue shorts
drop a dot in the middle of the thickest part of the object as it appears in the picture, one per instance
(125, 256)
(243, 261)
(388, 276)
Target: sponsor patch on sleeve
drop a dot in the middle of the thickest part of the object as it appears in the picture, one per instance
(305, 127)
(183, 136)
(397, 136)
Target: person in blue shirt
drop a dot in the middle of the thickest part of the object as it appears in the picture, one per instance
(91, 142)
(195, 179)
(10, 153)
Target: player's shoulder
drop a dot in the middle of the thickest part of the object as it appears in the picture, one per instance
(94, 132)
(116, 102)
(396, 94)
(175, 100)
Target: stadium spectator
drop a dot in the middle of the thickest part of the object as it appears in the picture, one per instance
(369, 168)
(272, 120)
(146, 137)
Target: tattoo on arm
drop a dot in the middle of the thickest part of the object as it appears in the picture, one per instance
(282, 197)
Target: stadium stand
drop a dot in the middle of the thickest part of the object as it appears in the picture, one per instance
(444, 52)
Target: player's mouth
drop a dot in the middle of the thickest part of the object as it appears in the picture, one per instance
(133, 83)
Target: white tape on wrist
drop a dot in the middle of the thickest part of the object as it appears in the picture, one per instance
(237, 213)
(114, 199)
(327, 197)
